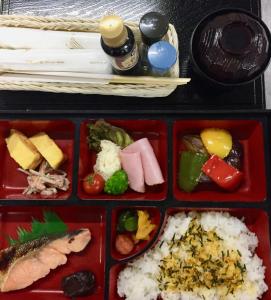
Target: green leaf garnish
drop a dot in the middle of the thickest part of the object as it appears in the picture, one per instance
(52, 225)
(11, 241)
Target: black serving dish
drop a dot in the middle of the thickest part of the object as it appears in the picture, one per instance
(243, 104)
(101, 213)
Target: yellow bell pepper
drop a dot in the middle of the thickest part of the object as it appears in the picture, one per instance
(145, 227)
(217, 141)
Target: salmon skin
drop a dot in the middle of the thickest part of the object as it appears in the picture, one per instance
(23, 264)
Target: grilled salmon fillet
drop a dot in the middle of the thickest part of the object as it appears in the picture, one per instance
(23, 264)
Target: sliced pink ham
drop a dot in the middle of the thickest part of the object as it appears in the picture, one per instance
(132, 165)
(151, 168)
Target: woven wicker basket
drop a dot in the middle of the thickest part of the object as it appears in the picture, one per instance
(76, 24)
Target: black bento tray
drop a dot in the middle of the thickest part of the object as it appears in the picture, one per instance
(264, 117)
(184, 15)
(247, 102)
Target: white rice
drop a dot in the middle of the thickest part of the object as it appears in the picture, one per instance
(138, 280)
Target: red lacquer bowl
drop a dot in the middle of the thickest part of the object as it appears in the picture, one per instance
(155, 217)
(250, 135)
(92, 258)
(13, 182)
(255, 219)
(154, 130)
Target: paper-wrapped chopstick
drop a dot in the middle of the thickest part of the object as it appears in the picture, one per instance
(64, 60)
(27, 38)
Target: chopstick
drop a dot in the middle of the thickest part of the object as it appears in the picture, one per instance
(149, 80)
(86, 77)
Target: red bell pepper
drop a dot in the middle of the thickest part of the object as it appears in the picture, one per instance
(221, 173)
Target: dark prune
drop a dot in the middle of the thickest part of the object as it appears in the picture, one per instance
(78, 284)
(235, 156)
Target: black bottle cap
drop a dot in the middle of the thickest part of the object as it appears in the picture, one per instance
(153, 26)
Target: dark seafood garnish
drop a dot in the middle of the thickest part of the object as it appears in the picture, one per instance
(78, 284)
(46, 180)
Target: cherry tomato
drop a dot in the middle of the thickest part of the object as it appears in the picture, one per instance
(93, 184)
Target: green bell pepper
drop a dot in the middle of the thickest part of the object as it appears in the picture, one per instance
(190, 165)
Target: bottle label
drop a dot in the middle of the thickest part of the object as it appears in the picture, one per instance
(126, 62)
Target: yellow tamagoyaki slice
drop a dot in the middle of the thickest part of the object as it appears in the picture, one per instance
(48, 149)
(22, 150)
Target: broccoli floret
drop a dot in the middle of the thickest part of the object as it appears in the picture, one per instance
(117, 184)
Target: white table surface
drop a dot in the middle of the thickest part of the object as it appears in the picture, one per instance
(266, 15)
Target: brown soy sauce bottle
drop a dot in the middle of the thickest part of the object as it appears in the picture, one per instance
(118, 42)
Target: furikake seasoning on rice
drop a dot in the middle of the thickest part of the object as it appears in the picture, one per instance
(199, 256)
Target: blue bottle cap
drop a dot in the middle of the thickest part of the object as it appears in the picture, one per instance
(162, 56)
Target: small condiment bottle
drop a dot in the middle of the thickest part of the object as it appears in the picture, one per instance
(118, 42)
(161, 57)
(153, 27)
